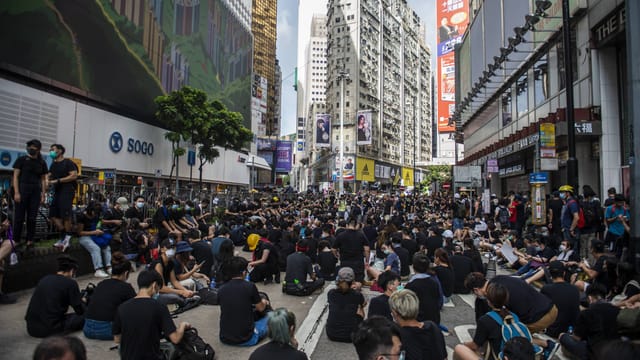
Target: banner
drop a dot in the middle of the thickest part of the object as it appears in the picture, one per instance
(283, 156)
(323, 130)
(347, 170)
(364, 127)
(407, 176)
(452, 19)
(395, 174)
(365, 169)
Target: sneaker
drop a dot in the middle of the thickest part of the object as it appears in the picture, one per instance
(58, 244)
(7, 299)
(66, 242)
(109, 270)
(101, 274)
(550, 350)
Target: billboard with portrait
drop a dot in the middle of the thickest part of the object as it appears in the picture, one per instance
(124, 53)
(323, 130)
(364, 127)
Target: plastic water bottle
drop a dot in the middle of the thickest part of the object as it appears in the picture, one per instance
(13, 259)
(246, 278)
(212, 284)
(570, 330)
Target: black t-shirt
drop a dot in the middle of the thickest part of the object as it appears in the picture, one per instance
(49, 303)
(61, 169)
(31, 170)
(272, 258)
(489, 330)
(166, 269)
(428, 293)
(447, 279)
(327, 262)
(141, 324)
(131, 240)
(432, 244)
(421, 239)
(403, 255)
(133, 213)
(202, 253)
(426, 343)
(371, 233)
(112, 214)
(343, 318)
(298, 267)
(555, 205)
(462, 266)
(351, 244)
(237, 298)
(524, 300)
(88, 223)
(600, 267)
(597, 323)
(566, 298)
(411, 245)
(106, 298)
(273, 350)
(162, 214)
(379, 305)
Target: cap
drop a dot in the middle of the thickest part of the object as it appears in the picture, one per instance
(183, 247)
(346, 274)
(35, 142)
(556, 265)
(252, 241)
(447, 234)
(456, 196)
(123, 202)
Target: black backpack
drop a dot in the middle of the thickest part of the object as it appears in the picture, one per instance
(592, 213)
(193, 347)
(503, 216)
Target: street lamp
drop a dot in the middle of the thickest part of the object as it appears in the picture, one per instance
(342, 76)
(572, 162)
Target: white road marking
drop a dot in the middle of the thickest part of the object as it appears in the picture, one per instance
(309, 332)
(463, 334)
(470, 299)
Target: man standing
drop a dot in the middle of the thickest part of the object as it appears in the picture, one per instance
(142, 322)
(62, 177)
(29, 184)
(353, 249)
(570, 216)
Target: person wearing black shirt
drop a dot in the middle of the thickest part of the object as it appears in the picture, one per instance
(352, 247)
(29, 184)
(106, 298)
(112, 220)
(444, 271)
(420, 340)
(202, 252)
(138, 211)
(141, 322)
(95, 240)
(565, 296)
(135, 241)
(346, 307)
(163, 218)
(403, 254)
(462, 266)
(298, 268)
(433, 242)
(427, 288)
(238, 298)
(379, 305)
(326, 261)
(283, 345)
(175, 293)
(265, 259)
(47, 310)
(409, 243)
(375, 336)
(62, 178)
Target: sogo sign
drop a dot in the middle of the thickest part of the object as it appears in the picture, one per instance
(116, 143)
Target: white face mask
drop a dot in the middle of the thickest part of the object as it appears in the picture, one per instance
(562, 248)
(139, 205)
(171, 253)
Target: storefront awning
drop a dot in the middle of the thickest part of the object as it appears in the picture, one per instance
(258, 162)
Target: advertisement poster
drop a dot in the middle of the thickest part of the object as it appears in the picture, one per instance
(347, 170)
(323, 130)
(365, 170)
(364, 127)
(407, 176)
(283, 156)
(452, 21)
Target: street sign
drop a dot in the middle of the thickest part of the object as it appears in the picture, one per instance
(158, 173)
(191, 157)
(538, 178)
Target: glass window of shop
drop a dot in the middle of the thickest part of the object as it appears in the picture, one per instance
(522, 95)
(574, 59)
(541, 79)
(505, 107)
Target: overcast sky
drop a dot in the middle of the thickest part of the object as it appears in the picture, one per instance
(287, 51)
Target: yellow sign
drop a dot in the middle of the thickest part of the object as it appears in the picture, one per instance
(101, 177)
(78, 163)
(365, 170)
(407, 176)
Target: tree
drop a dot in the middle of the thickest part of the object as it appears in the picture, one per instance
(436, 173)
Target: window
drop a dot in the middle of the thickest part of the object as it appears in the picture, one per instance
(505, 107)
(522, 98)
(541, 80)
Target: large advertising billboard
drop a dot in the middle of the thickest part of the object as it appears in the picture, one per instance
(124, 53)
(452, 21)
(283, 156)
(259, 103)
(323, 130)
(364, 127)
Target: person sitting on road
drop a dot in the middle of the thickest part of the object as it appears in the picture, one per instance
(95, 240)
(201, 252)
(265, 259)
(299, 267)
(186, 271)
(173, 292)
(47, 310)
(378, 338)
(346, 307)
(141, 322)
(239, 303)
(6, 247)
(420, 340)
(164, 218)
(138, 211)
(283, 345)
(223, 235)
(135, 242)
(427, 288)
(389, 281)
(445, 274)
(106, 298)
(60, 347)
(327, 261)
(391, 262)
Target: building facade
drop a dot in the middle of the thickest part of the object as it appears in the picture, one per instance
(263, 26)
(513, 118)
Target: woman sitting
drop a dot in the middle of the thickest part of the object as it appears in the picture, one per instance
(283, 345)
(106, 298)
(346, 307)
(391, 262)
(444, 271)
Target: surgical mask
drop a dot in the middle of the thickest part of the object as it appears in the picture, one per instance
(387, 251)
(174, 207)
(32, 152)
(139, 205)
(400, 287)
(187, 208)
(171, 253)
(563, 196)
(155, 296)
(53, 154)
(538, 248)
(563, 248)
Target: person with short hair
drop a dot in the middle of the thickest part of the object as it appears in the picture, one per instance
(346, 307)
(420, 340)
(299, 267)
(141, 322)
(389, 281)
(377, 338)
(6, 248)
(95, 240)
(138, 211)
(427, 288)
(63, 174)
(283, 344)
(47, 310)
(352, 247)
(60, 347)
(175, 292)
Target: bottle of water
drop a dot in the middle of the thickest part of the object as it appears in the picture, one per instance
(212, 284)
(13, 259)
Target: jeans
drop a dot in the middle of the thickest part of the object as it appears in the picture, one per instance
(99, 330)
(29, 204)
(577, 348)
(97, 253)
(259, 332)
(458, 223)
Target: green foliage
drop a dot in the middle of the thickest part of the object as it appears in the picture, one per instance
(436, 173)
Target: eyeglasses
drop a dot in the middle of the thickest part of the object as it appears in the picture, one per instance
(401, 355)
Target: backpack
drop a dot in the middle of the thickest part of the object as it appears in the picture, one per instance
(193, 347)
(461, 210)
(208, 296)
(503, 216)
(592, 213)
(581, 220)
(511, 327)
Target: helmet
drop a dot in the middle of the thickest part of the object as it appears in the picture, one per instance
(564, 188)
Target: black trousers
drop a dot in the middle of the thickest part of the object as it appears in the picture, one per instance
(30, 195)
(303, 289)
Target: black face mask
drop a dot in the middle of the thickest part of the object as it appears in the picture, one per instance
(32, 151)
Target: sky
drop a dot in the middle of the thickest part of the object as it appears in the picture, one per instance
(287, 49)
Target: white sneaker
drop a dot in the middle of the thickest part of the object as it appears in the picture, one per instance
(109, 270)
(101, 274)
(58, 244)
(66, 242)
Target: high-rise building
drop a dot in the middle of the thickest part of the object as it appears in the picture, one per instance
(379, 45)
(264, 17)
(277, 107)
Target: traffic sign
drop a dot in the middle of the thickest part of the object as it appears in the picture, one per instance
(158, 173)
(539, 178)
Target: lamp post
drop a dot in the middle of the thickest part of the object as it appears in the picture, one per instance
(342, 76)
(572, 161)
(415, 145)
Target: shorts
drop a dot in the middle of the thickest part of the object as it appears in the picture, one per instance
(62, 205)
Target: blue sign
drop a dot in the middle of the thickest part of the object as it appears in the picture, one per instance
(116, 142)
(539, 178)
(191, 158)
(5, 158)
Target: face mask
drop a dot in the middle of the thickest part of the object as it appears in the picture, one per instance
(171, 253)
(400, 287)
(155, 296)
(139, 205)
(563, 248)
(538, 248)
(53, 154)
(562, 196)
(32, 152)
(187, 208)
(402, 356)
(174, 207)
(387, 252)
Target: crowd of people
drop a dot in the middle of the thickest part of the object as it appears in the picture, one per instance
(416, 251)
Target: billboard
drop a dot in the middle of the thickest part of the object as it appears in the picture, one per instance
(364, 127)
(452, 20)
(259, 102)
(124, 53)
(347, 170)
(283, 156)
(323, 130)
(365, 170)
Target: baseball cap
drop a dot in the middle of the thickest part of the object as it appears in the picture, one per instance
(346, 274)
(252, 241)
(447, 234)
(123, 202)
